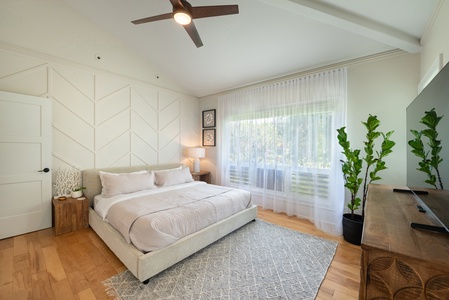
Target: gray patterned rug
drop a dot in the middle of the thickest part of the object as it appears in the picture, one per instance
(258, 261)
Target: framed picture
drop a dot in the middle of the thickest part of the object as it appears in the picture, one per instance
(209, 137)
(208, 118)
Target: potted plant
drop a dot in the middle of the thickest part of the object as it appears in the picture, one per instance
(78, 192)
(352, 167)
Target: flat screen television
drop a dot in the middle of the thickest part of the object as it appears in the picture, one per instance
(434, 200)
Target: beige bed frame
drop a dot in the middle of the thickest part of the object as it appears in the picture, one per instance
(145, 265)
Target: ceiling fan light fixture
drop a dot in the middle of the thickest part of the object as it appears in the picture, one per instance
(183, 13)
(182, 17)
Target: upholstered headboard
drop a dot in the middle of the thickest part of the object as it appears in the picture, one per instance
(92, 183)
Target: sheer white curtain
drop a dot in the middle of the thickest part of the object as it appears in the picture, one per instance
(279, 141)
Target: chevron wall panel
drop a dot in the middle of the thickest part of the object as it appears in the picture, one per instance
(107, 85)
(115, 153)
(73, 117)
(21, 74)
(102, 119)
(82, 80)
(82, 133)
(110, 106)
(144, 121)
(70, 153)
(69, 95)
(190, 123)
(35, 79)
(169, 127)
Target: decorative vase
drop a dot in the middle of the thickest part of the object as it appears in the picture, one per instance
(77, 194)
(352, 228)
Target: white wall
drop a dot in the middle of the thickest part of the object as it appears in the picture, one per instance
(36, 35)
(382, 85)
(384, 88)
(52, 27)
(436, 39)
(111, 112)
(210, 162)
(102, 119)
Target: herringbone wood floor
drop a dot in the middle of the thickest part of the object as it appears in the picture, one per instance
(39, 265)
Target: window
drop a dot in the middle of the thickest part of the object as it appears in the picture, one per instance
(279, 142)
(286, 145)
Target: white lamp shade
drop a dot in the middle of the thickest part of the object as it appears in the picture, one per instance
(197, 152)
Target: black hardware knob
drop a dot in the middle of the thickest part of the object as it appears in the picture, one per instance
(45, 170)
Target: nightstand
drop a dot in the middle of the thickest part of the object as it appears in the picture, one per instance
(70, 215)
(201, 176)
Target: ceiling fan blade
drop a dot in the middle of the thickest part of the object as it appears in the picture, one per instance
(175, 3)
(153, 18)
(194, 35)
(213, 11)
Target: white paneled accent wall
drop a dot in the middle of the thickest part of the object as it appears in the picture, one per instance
(102, 119)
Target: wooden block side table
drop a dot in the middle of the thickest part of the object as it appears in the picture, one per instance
(70, 215)
(201, 176)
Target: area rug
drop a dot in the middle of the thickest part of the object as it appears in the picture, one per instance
(258, 261)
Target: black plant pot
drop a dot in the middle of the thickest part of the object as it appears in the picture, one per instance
(352, 229)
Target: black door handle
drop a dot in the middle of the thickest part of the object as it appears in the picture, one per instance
(45, 170)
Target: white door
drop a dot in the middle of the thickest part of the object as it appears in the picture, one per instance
(25, 158)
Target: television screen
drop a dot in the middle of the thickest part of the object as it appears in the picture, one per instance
(432, 191)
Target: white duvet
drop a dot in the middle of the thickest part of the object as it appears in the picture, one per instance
(155, 218)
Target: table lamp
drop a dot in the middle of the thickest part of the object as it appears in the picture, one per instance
(196, 153)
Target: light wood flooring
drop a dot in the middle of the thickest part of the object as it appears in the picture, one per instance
(40, 265)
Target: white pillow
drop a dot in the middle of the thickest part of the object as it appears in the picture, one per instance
(172, 177)
(117, 174)
(165, 170)
(125, 183)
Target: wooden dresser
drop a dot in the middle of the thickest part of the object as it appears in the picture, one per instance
(399, 262)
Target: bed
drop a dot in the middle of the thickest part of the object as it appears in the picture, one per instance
(142, 264)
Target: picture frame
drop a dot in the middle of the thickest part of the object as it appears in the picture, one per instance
(209, 137)
(209, 118)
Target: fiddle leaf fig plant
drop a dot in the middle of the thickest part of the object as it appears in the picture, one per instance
(351, 167)
(374, 161)
(430, 160)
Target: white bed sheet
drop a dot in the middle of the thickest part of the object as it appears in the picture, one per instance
(151, 221)
(102, 204)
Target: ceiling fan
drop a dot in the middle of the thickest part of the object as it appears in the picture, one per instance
(183, 13)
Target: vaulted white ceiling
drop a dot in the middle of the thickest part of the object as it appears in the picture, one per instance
(267, 39)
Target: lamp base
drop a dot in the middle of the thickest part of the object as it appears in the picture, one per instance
(196, 165)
